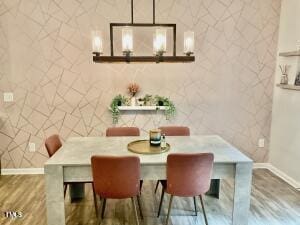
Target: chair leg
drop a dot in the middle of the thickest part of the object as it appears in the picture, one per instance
(135, 211)
(141, 185)
(195, 205)
(169, 210)
(203, 209)
(65, 190)
(95, 200)
(140, 206)
(157, 183)
(161, 202)
(103, 207)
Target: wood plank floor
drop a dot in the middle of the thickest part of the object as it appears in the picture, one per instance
(273, 202)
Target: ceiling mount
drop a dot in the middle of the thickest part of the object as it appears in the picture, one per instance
(159, 43)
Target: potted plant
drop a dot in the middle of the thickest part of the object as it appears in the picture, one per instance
(114, 106)
(170, 107)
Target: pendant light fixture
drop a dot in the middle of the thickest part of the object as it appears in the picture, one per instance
(159, 43)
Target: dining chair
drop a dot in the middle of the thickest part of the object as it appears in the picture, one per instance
(174, 131)
(116, 178)
(53, 144)
(122, 131)
(188, 175)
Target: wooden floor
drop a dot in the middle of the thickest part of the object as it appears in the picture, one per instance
(273, 202)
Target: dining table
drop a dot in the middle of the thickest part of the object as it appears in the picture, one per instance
(72, 163)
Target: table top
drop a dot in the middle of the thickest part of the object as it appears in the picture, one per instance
(78, 150)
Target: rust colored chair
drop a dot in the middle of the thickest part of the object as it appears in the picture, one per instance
(116, 178)
(53, 144)
(188, 175)
(122, 131)
(175, 131)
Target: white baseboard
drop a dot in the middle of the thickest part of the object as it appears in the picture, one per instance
(278, 173)
(22, 171)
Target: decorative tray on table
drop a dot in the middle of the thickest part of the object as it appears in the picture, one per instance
(144, 147)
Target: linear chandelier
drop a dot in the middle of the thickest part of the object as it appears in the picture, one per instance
(159, 43)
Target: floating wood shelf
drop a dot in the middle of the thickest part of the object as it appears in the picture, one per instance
(149, 59)
(289, 54)
(288, 86)
(141, 108)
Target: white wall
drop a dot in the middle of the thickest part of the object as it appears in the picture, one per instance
(285, 131)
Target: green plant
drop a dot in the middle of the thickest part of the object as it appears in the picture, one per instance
(117, 101)
(170, 107)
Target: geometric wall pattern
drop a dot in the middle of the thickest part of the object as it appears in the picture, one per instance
(46, 61)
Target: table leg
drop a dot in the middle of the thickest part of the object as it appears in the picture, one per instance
(214, 189)
(242, 193)
(76, 192)
(55, 195)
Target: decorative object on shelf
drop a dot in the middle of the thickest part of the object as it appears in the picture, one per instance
(144, 147)
(140, 102)
(284, 74)
(133, 88)
(297, 80)
(170, 107)
(117, 101)
(159, 43)
(155, 137)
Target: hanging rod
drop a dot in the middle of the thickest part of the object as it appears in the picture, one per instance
(153, 9)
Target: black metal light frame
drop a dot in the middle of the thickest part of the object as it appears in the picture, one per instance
(128, 58)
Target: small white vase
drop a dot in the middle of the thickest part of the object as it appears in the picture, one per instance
(133, 101)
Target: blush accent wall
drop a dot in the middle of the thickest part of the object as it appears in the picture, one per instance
(46, 62)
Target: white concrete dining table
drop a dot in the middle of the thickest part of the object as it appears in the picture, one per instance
(72, 163)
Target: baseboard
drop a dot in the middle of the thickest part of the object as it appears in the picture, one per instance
(22, 171)
(278, 173)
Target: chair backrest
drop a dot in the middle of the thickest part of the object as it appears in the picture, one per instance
(189, 174)
(175, 131)
(122, 131)
(52, 144)
(116, 177)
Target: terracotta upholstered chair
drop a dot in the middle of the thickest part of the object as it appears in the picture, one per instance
(188, 175)
(173, 131)
(116, 178)
(53, 144)
(122, 131)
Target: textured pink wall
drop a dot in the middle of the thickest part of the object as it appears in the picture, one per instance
(46, 61)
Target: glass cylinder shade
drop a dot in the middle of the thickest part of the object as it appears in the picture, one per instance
(189, 42)
(127, 40)
(160, 41)
(97, 43)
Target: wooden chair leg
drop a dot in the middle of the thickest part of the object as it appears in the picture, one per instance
(157, 183)
(65, 190)
(161, 202)
(203, 209)
(195, 205)
(135, 211)
(103, 207)
(140, 206)
(169, 210)
(95, 200)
